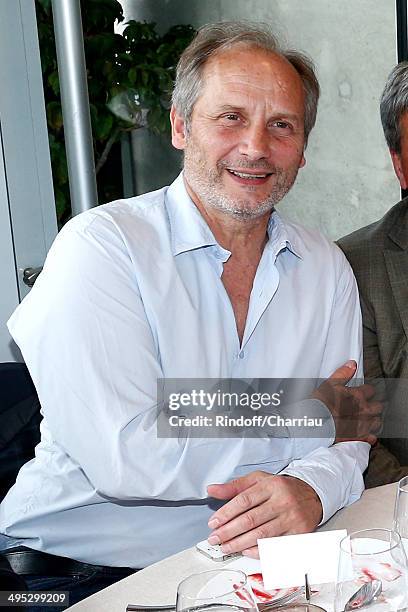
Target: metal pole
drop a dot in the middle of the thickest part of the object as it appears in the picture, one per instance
(402, 42)
(69, 42)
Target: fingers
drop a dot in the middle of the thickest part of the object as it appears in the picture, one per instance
(252, 552)
(241, 503)
(373, 409)
(356, 414)
(362, 392)
(362, 421)
(229, 490)
(343, 374)
(250, 522)
(268, 508)
(355, 408)
(351, 401)
(249, 539)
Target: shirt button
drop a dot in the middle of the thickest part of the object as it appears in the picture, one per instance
(241, 354)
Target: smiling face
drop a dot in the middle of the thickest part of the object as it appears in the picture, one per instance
(245, 141)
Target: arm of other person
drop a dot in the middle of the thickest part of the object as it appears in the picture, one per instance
(84, 334)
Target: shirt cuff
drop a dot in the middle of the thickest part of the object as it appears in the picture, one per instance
(343, 464)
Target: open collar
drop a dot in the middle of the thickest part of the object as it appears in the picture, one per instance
(189, 230)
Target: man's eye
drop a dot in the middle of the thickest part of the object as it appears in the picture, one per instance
(231, 117)
(283, 125)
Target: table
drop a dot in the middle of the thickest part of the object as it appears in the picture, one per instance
(374, 509)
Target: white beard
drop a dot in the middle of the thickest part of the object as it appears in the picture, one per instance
(207, 183)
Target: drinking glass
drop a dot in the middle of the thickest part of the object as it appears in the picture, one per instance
(216, 591)
(372, 554)
(401, 512)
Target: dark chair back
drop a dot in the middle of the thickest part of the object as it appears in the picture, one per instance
(19, 422)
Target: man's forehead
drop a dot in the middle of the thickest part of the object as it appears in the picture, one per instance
(241, 74)
(241, 54)
(253, 64)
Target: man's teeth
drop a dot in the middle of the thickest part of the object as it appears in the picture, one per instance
(245, 175)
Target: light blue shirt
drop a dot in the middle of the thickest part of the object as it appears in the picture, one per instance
(131, 292)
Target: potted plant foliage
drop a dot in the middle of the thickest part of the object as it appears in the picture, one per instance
(130, 77)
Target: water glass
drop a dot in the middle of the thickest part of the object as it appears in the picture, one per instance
(372, 554)
(401, 512)
(221, 590)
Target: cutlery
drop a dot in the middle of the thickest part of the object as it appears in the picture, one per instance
(364, 596)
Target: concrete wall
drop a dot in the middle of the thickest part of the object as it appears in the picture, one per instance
(348, 180)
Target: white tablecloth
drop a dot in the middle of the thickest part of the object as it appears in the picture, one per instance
(157, 583)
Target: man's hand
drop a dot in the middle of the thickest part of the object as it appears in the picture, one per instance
(262, 505)
(355, 416)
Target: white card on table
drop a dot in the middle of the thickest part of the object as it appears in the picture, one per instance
(286, 559)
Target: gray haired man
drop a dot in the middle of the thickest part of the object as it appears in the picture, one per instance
(199, 280)
(379, 257)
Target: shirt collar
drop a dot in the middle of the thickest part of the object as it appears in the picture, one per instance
(189, 230)
(279, 237)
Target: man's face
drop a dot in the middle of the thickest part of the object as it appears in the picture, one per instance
(245, 141)
(400, 160)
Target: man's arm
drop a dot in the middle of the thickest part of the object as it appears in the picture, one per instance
(264, 505)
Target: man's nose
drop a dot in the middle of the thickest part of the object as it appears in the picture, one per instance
(255, 142)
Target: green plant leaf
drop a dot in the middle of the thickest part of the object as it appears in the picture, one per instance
(45, 5)
(61, 202)
(102, 128)
(54, 115)
(53, 82)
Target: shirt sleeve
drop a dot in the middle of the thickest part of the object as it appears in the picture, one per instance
(336, 473)
(95, 361)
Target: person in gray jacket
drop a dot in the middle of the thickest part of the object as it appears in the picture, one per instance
(378, 255)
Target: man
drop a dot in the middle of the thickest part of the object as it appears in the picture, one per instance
(379, 258)
(197, 280)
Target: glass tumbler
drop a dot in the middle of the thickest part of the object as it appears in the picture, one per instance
(367, 556)
(401, 512)
(220, 590)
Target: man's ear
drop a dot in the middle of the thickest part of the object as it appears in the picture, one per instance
(396, 162)
(302, 161)
(178, 129)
